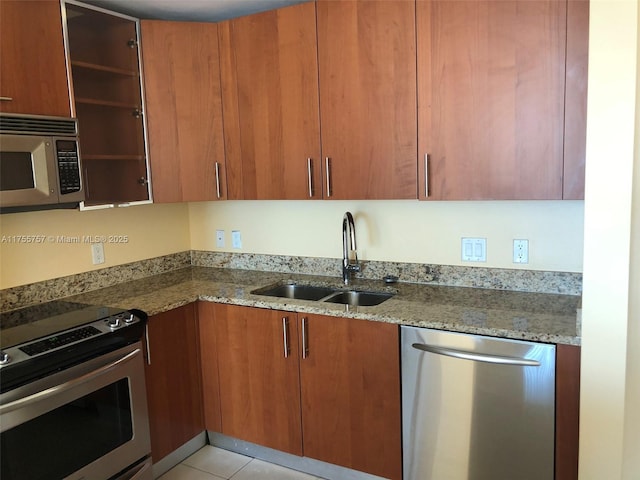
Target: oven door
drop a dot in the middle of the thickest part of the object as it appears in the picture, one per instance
(87, 422)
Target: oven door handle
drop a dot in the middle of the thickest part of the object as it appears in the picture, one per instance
(49, 392)
(137, 473)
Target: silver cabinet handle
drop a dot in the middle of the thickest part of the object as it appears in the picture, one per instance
(218, 179)
(328, 171)
(146, 342)
(477, 357)
(310, 176)
(426, 175)
(285, 335)
(305, 338)
(6, 99)
(49, 392)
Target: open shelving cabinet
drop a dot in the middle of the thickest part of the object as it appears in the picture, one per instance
(104, 66)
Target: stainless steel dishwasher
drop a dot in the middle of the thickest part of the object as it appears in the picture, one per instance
(476, 408)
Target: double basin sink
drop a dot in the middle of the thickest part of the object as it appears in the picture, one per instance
(316, 293)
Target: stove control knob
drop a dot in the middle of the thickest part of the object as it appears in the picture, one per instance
(114, 322)
(4, 358)
(130, 319)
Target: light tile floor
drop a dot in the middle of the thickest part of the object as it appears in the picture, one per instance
(212, 463)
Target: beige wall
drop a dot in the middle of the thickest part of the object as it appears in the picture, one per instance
(610, 378)
(404, 231)
(151, 230)
(631, 459)
(407, 231)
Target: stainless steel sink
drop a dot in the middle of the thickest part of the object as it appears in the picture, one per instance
(359, 299)
(295, 291)
(324, 294)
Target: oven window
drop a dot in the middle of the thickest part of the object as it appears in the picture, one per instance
(57, 443)
(16, 171)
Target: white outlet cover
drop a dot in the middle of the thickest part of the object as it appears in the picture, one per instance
(97, 253)
(220, 238)
(521, 251)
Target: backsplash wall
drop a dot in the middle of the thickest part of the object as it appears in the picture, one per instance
(396, 231)
(36, 246)
(399, 230)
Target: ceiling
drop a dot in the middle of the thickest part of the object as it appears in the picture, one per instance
(190, 10)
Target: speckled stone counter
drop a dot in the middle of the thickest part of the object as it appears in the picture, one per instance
(542, 317)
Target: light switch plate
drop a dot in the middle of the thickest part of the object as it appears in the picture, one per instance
(236, 239)
(474, 249)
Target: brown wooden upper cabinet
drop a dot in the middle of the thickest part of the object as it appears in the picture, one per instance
(270, 98)
(184, 111)
(494, 121)
(33, 75)
(367, 68)
(103, 55)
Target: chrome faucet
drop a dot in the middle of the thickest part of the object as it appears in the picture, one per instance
(349, 265)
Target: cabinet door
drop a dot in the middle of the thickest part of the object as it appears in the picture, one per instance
(270, 88)
(209, 366)
(184, 110)
(567, 411)
(491, 87)
(367, 66)
(33, 76)
(174, 393)
(575, 118)
(103, 52)
(350, 379)
(259, 380)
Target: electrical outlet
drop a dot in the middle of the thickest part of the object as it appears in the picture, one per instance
(521, 251)
(97, 253)
(220, 238)
(236, 239)
(474, 249)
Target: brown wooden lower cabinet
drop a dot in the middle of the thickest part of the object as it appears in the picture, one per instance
(324, 387)
(174, 392)
(350, 380)
(567, 411)
(259, 384)
(209, 366)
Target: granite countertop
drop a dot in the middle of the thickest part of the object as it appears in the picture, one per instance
(550, 318)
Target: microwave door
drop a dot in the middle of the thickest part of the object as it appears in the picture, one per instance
(27, 176)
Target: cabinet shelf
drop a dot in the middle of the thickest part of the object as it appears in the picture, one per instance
(103, 68)
(107, 103)
(107, 88)
(132, 158)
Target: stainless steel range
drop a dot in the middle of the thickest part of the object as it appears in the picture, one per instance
(73, 403)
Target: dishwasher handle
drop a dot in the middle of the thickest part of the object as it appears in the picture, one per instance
(477, 357)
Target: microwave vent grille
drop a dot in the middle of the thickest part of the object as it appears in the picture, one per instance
(32, 124)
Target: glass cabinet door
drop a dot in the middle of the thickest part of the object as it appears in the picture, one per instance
(103, 56)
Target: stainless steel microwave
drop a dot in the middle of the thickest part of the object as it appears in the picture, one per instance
(39, 163)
